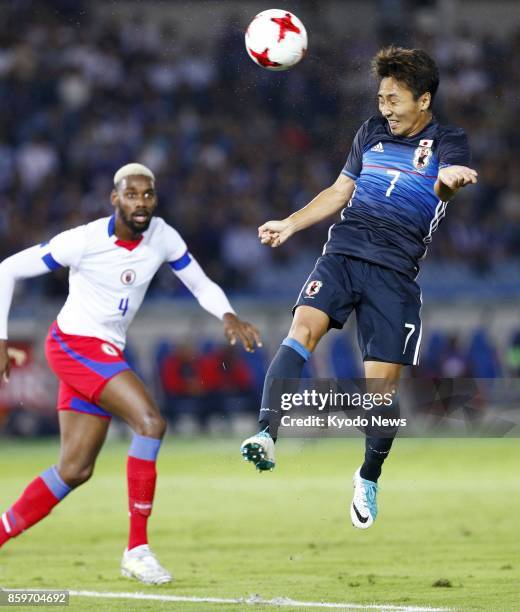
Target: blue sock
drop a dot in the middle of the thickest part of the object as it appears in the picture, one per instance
(287, 364)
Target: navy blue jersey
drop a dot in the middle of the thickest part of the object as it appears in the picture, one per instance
(394, 210)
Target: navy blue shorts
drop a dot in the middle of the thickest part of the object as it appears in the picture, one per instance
(387, 305)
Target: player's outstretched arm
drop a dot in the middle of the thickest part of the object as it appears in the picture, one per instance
(451, 179)
(326, 203)
(25, 264)
(211, 297)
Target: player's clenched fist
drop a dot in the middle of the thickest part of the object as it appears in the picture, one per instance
(275, 233)
(455, 177)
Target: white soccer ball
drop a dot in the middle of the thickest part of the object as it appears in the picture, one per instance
(276, 39)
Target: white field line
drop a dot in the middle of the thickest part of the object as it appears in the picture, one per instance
(253, 600)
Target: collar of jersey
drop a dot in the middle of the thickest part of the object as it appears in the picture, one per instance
(130, 245)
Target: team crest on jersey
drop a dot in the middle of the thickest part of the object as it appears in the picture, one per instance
(423, 154)
(312, 288)
(128, 277)
(108, 349)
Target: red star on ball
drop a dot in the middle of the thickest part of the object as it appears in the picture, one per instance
(263, 58)
(286, 25)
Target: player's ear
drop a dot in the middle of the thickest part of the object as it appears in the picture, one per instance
(426, 100)
(114, 197)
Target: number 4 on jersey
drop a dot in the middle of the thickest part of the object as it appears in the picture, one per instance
(123, 306)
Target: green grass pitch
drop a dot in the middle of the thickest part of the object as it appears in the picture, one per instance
(448, 511)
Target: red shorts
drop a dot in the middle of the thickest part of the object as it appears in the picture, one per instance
(83, 366)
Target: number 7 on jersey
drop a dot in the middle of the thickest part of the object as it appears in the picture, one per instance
(396, 174)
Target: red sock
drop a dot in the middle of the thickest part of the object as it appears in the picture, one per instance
(141, 476)
(34, 504)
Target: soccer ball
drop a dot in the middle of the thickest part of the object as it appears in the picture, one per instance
(276, 39)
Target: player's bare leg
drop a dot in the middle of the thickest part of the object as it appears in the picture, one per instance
(382, 378)
(126, 396)
(309, 325)
(82, 437)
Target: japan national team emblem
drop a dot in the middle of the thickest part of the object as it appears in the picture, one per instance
(128, 277)
(312, 288)
(423, 154)
(108, 349)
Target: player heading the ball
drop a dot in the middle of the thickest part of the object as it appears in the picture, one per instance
(392, 194)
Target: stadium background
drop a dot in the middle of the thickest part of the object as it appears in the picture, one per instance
(89, 86)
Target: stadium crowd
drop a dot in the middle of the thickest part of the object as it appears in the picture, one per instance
(232, 145)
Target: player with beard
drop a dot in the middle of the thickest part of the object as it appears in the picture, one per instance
(111, 261)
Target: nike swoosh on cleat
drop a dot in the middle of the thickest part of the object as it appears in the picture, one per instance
(362, 519)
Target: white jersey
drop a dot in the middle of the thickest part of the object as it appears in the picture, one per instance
(108, 278)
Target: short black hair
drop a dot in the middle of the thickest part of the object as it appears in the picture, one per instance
(413, 67)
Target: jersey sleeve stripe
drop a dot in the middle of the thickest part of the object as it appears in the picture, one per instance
(349, 174)
(181, 263)
(111, 226)
(50, 262)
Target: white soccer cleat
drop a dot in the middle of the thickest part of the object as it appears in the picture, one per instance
(363, 510)
(259, 449)
(140, 563)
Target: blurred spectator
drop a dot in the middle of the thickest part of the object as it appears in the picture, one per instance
(453, 362)
(482, 356)
(432, 354)
(180, 373)
(213, 381)
(513, 356)
(181, 385)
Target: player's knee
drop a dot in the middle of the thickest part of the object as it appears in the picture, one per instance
(76, 475)
(382, 377)
(384, 384)
(151, 425)
(305, 334)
